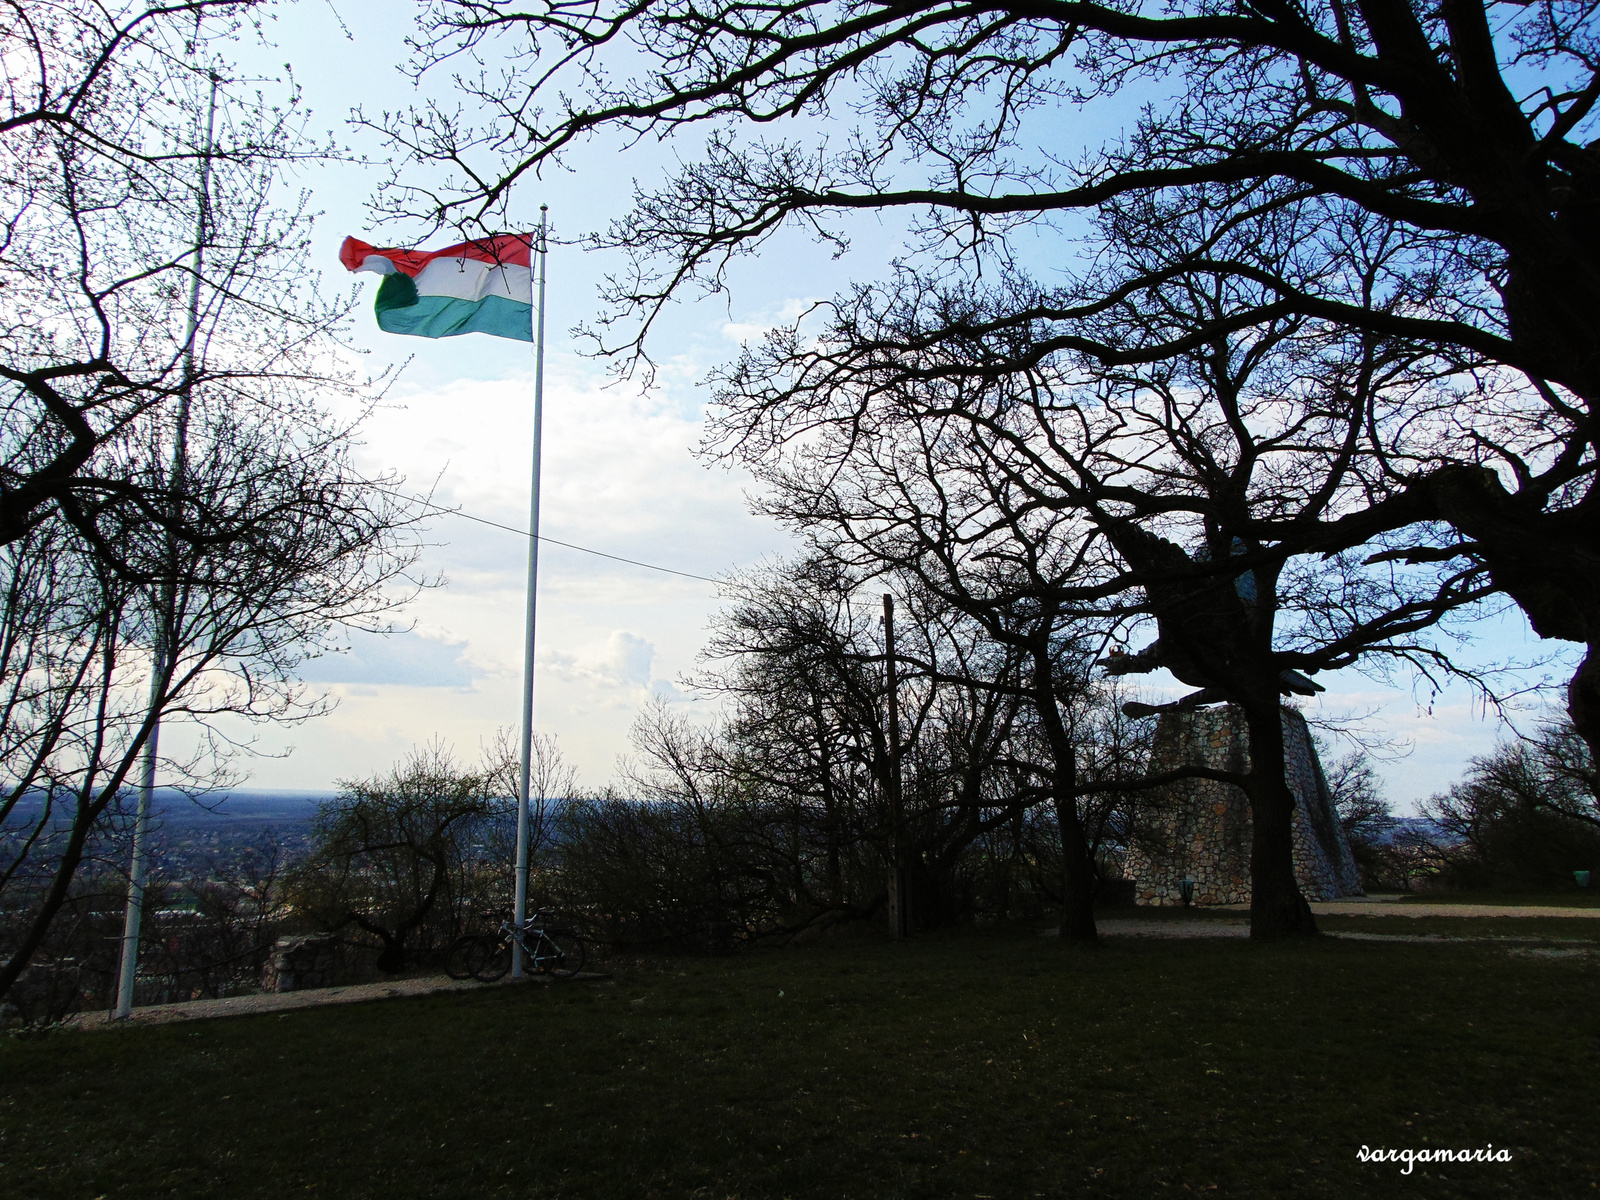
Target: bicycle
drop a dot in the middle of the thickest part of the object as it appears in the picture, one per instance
(455, 954)
(559, 953)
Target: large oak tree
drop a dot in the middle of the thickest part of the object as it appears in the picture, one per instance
(1455, 137)
(1468, 125)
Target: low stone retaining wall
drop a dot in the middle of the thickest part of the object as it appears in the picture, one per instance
(297, 963)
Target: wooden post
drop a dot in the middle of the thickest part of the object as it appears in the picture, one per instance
(899, 893)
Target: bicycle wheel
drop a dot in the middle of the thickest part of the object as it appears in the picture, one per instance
(489, 958)
(455, 958)
(561, 953)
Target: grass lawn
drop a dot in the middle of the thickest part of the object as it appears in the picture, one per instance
(993, 1063)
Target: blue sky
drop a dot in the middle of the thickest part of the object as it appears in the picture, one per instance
(619, 476)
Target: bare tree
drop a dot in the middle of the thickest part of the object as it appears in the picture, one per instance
(181, 521)
(786, 803)
(386, 849)
(1465, 129)
(79, 702)
(1043, 495)
(1527, 814)
(488, 873)
(103, 140)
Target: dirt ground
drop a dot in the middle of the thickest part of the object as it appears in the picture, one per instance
(1365, 906)
(1382, 906)
(238, 1006)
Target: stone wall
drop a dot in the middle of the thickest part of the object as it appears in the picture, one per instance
(1199, 829)
(297, 963)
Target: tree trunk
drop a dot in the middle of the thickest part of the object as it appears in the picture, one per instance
(1277, 909)
(395, 957)
(1077, 876)
(830, 811)
(391, 959)
(1549, 563)
(84, 819)
(60, 886)
(1077, 864)
(1583, 700)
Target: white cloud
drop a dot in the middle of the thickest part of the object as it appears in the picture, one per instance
(406, 657)
(785, 313)
(620, 476)
(621, 661)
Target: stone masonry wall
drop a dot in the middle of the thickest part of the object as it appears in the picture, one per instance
(299, 963)
(1199, 829)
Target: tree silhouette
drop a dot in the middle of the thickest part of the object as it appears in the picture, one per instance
(1462, 132)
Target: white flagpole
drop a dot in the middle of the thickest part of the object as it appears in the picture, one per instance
(160, 656)
(520, 914)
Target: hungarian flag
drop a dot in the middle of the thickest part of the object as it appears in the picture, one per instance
(477, 287)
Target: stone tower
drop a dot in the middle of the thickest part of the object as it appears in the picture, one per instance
(1199, 829)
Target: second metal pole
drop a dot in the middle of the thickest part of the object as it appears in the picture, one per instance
(520, 912)
(161, 648)
(899, 889)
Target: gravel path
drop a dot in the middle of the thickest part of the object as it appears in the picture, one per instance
(1155, 927)
(238, 1006)
(1412, 908)
(1134, 927)
(1144, 927)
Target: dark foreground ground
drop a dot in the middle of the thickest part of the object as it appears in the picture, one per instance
(971, 1064)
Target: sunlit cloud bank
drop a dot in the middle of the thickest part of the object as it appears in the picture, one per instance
(619, 476)
(404, 657)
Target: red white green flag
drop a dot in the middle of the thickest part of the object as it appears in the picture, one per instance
(484, 286)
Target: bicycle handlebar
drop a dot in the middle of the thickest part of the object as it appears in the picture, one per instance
(537, 919)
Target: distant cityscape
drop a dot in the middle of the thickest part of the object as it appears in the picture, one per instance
(215, 836)
(211, 836)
